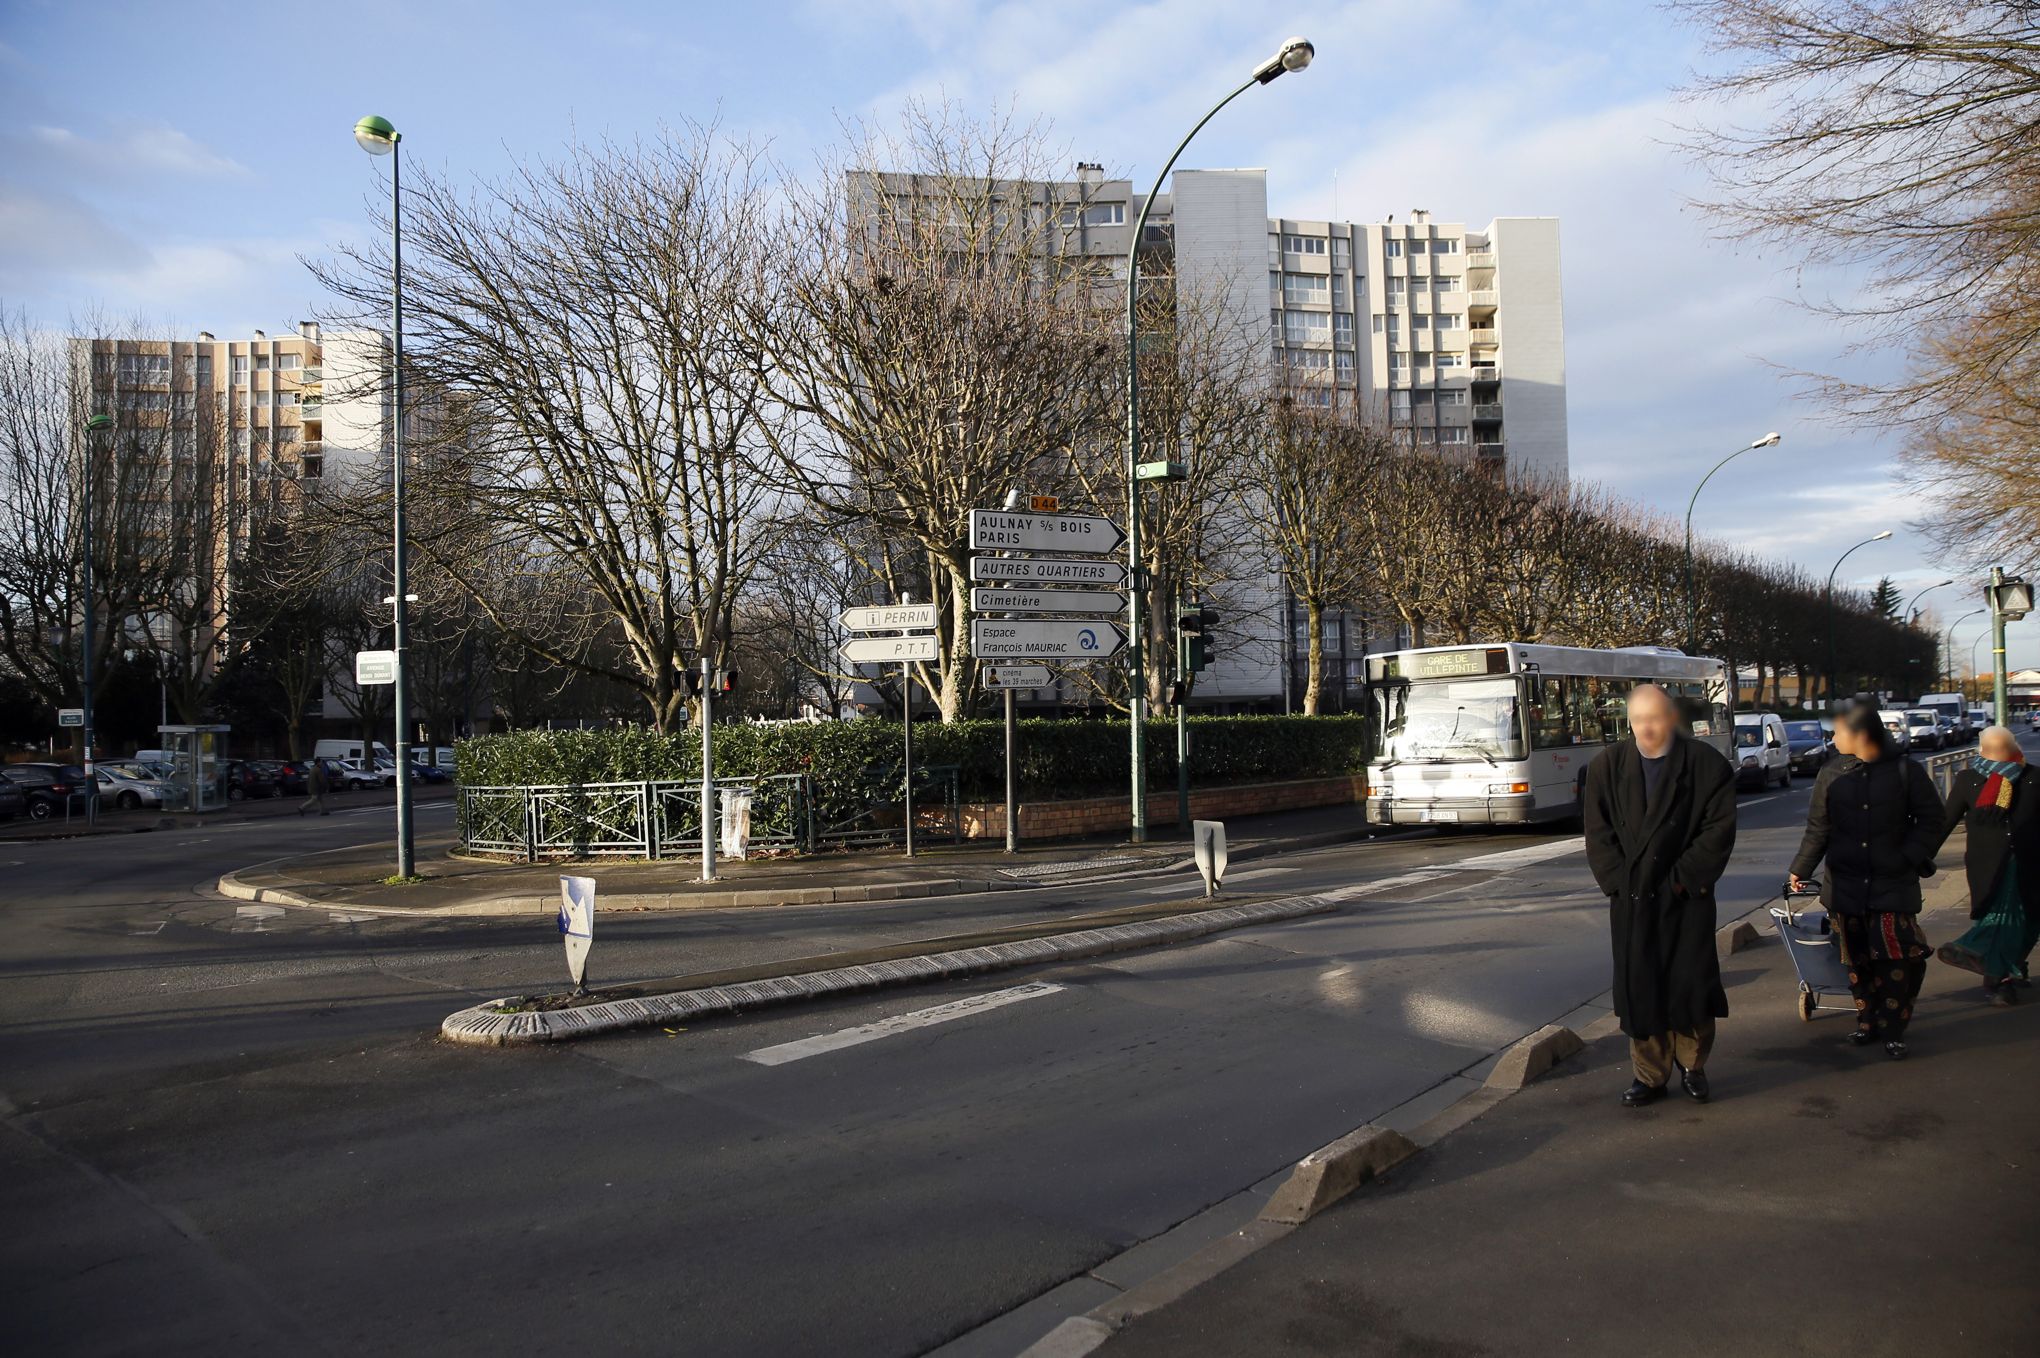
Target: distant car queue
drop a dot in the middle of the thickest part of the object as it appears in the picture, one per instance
(148, 780)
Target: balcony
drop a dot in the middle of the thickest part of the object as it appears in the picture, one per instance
(1487, 410)
(1487, 372)
(1489, 452)
(1482, 297)
(312, 374)
(310, 410)
(1480, 259)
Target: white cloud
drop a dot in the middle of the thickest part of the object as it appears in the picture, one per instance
(153, 148)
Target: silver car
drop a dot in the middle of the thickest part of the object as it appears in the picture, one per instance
(128, 786)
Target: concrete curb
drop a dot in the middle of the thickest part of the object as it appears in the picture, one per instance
(1533, 1056)
(1331, 1172)
(1735, 937)
(488, 1025)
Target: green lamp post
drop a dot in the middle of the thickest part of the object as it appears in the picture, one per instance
(1831, 610)
(1294, 55)
(1692, 623)
(379, 138)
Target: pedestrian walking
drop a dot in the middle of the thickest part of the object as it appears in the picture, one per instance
(316, 784)
(1660, 820)
(1998, 799)
(1876, 821)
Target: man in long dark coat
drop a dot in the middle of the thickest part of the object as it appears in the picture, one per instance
(1660, 817)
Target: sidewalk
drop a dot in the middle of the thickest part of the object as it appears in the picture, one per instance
(142, 820)
(1828, 1201)
(355, 878)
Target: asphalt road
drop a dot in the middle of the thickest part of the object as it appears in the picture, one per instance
(233, 1131)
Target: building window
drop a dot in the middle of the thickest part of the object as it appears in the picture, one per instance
(1342, 327)
(1096, 214)
(1446, 320)
(1306, 327)
(1395, 287)
(262, 397)
(287, 362)
(286, 398)
(262, 363)
(1381, 323)
(1342, 363)
(240, 367)
(1417, 247)
(1393, 249)
(1452, 360)
(1452, 396)
(1274, 283)
(1305, 287)
(1398, 363)
(1399, 403)
(1420, 321)
(1304, 245)
(1445, 247)
(1453, 433)
(1341, 248)
(1446, 282)
(1338, 289)
(1310, 360)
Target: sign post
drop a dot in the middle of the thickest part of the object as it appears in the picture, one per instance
(907, 746)
(707, 771)
(577, 926)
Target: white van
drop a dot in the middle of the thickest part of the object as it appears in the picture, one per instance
(1761, 754)
(366, 750)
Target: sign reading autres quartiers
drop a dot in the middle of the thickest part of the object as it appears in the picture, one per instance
(1005, 530)
(1049, 570)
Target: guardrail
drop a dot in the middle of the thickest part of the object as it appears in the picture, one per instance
(654, 819)
(1943, 767)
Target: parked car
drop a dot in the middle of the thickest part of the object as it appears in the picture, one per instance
(344, 775)
(350, 749)
(1761, 756)
(51, 789)
(387, 768)
(13, 799)
(128, 786)
(1923, 728)
(245, 778)
(1954, 734)
(287, 776)
(430, 773)
(1979, 717)
(2033, 719)
(1809, 746)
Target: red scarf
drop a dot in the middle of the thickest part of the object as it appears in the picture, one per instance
(1997, 789)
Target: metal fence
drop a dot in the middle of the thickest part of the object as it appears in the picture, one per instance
(654, 819)
(1942, 768)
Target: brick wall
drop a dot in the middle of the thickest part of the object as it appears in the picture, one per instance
(1104, 815)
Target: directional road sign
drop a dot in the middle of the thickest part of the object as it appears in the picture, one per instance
(1047, 601)
(1044, 639)
(1017, 676)
(888, 650)
(1006, 530)
(889, 617)
(1049, 570)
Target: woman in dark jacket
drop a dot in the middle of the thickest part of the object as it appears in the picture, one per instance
(1876, 820)
(1996, 795)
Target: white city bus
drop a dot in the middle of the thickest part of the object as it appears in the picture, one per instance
(1502, 734)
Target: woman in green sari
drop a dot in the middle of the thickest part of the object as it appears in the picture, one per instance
(1999, 799)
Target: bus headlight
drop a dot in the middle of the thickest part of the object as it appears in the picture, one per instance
(1506, 789)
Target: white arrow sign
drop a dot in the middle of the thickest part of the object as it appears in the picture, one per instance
(1038, 570)
(1047, 601)
(1044, 639)
(888, 650)
(889, 617)
(1005, 530)
(577, 924)
(1017, 676)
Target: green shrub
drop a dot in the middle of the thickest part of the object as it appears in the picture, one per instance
(853, 765)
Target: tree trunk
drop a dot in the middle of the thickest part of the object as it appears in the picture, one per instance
(1314, 676)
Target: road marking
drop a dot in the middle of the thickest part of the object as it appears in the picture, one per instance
(351, 917)
(254, 918)
(148, 928)
(1177, 885)
(1510, 859)
(899, 1023)
(1346, 893)
(1759, 801)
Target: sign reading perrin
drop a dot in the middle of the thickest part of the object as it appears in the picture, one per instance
(888, 617)
(1004, 530)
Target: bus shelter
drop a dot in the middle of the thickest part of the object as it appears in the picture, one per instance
(194, 781)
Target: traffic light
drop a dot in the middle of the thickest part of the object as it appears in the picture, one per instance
(726, 682)
(1193, 643)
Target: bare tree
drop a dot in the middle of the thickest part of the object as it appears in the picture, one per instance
(604, 400)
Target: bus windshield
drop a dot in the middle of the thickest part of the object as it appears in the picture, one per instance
(1450, 720)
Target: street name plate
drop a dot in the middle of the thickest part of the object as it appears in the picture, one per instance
(1044, 639)
(1017, 676)
(1047, 601)
(70, 716)
(374, 667)
(1006, 530)
(1049, 570)
(888, 650)
(889, 617)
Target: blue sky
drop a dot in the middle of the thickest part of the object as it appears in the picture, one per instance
(175, 161)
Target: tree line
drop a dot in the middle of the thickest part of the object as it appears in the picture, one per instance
(668, 404)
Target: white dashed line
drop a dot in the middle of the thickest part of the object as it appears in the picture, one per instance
(899, 1023)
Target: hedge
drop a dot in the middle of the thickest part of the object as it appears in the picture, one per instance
(854, 764)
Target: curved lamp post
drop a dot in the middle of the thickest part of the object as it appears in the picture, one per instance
(379, 138)
(1294, 55)
(1949, 648)
(1831, 610)
(97, 424)
(1909, 614)
(1692, 625)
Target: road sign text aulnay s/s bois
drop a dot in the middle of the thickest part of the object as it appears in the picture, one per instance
(1002, 530)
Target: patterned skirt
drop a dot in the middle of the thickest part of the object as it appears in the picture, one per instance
(1886, 955)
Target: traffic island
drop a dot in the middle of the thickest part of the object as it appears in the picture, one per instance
(518, 1021)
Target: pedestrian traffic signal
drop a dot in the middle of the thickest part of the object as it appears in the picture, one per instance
(726, 681)
(1193, 644)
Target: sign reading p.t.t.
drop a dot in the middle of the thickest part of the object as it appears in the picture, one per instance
(577, 925)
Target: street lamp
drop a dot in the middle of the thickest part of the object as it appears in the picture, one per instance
(377, 137)
(1948, 648)
(1293, 55)
(1831, 610)
(1908, 612)
(1692, 626)
(96, 424)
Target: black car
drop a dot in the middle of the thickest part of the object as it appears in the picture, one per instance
(287, 776)
(245, 778)
(429, 773)
(51, 789)
(13, 800)
(1809, 745)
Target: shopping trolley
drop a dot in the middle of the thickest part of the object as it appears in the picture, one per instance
(1816, 952)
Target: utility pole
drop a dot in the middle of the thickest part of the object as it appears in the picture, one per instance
(2010, 600)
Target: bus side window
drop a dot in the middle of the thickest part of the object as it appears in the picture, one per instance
(1693, 705)
(1586, 710)
(1549, 724)
(1614, 704)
